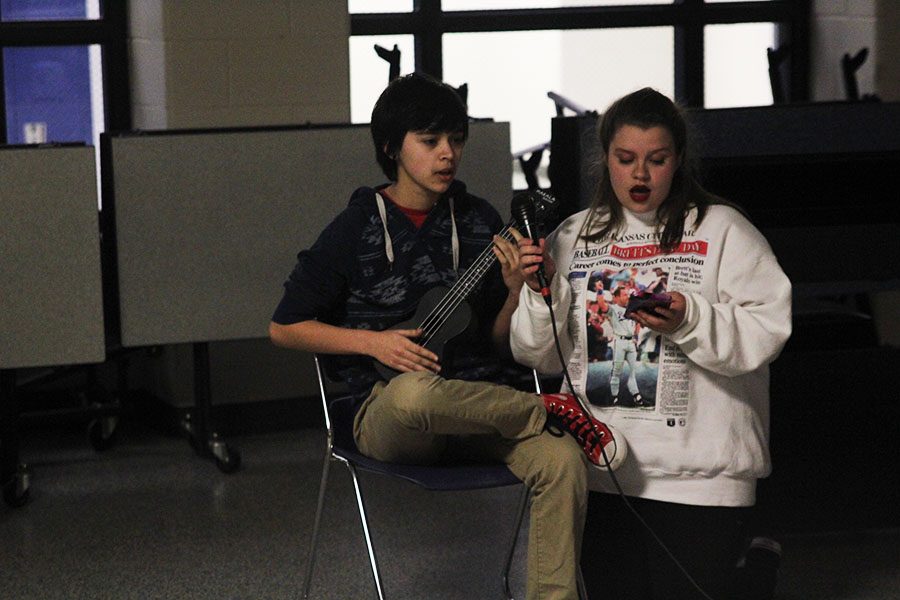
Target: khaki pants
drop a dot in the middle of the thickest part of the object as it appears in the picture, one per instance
(420, 418)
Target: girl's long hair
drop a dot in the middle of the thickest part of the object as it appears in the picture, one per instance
(648, 108)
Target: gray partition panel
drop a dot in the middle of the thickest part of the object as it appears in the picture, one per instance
(50, 285)
(208, 224)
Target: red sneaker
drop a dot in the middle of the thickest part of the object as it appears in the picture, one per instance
(564, 413)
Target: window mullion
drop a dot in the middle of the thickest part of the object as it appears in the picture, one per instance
(116, 80)
(55, 33)
(689, 64)
(430, 54)
(3, 138)
(798, 30)
(428, 43)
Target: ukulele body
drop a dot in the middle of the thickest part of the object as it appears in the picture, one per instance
(451, 313)
(455, 321)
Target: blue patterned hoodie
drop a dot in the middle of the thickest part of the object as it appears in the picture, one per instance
(347, 279)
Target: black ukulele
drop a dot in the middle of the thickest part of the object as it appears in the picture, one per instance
(443, 313)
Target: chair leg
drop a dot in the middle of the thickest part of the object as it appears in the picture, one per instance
(311, 557)
(365, 525)
(582, 590)
(520, 515)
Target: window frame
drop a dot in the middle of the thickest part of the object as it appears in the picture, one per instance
(428, 22)
(110, 32)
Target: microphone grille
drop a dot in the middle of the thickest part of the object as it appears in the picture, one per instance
(522, 207)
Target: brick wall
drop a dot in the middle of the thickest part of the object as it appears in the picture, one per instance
(220, 63)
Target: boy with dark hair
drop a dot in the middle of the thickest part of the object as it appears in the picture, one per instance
(367, 272)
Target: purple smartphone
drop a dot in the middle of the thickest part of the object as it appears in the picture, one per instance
(647, 302)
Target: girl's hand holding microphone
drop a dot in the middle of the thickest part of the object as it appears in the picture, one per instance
(532, 256)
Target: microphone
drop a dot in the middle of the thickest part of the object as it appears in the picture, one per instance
(522, 209)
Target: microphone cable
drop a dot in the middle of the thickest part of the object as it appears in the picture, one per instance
(609, 470)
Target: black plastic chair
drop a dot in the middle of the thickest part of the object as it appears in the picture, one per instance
(342, 448)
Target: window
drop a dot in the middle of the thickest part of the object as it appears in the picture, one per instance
(510, 72)
(709, 53)
(503, 4)
(63, 70)
(53, 94)
(369, 73)
(379, 6)
(736, 71)
(49, 10)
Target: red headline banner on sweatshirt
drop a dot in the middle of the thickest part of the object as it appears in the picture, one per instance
(636, 252)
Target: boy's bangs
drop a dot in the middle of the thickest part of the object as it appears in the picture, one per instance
(446, 124)
(440, 120)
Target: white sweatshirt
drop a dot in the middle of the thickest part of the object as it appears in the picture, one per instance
(701, 435)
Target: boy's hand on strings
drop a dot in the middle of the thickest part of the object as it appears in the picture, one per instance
(396, 349)
(532, 254)
(666, 320)
(507, 254)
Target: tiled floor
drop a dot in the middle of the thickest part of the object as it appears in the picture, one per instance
(148, 519)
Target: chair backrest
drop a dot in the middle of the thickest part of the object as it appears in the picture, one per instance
(341, 413)
(338, 412)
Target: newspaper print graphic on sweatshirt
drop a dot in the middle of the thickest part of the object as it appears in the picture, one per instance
(627, 366)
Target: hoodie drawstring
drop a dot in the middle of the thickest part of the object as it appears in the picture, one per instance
(389, 247)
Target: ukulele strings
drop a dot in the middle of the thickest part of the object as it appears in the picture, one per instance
(440, 313)
(458, 292)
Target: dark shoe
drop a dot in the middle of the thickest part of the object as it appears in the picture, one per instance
(602, 445)
(757, 572)
(638, 400)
